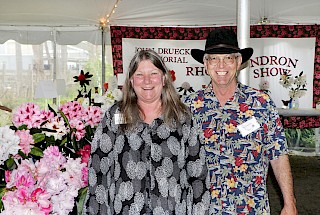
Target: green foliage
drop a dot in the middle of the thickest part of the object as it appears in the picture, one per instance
(38, 137)
(94, 66)
(67, 144)
(300, 137)
(9, 163)
(36, 151)
(80, 199)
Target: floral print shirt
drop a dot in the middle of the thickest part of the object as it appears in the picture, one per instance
(238, 164)
(153, 169)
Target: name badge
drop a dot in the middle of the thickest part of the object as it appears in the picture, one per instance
(119, 119)
(248, 127)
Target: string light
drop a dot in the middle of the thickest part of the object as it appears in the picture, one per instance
(264, 21)
(102, 23)
(106, 20)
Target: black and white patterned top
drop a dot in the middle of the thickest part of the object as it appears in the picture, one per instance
(154, 169)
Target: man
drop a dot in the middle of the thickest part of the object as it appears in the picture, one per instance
(242, 133)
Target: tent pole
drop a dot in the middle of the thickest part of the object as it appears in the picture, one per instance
(54, 77)
(243, 32)
(103, 60)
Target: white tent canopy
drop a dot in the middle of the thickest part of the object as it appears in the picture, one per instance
(72, 21)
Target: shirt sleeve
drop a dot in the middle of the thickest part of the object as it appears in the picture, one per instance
(197, 173)
(277, 145)
(99, 170)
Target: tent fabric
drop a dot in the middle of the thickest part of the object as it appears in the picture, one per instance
(38, 35)
(34, 21)
(199, 33)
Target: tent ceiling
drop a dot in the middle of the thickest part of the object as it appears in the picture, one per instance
(153, 12)
(84, 15)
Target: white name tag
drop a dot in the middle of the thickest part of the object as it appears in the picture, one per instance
(248, 127)
(119, 119)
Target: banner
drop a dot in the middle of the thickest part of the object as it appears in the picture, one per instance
(272, 58)
(190, 75)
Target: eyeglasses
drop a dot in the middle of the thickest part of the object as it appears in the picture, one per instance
(228, 60)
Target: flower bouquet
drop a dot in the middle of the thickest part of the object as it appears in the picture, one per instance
(111, 95)
(44, 157)
(296, 85)
(297, 88)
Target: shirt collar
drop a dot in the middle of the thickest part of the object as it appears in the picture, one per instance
(239, 90)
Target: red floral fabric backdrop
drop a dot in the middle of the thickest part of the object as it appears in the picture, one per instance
(257, 31)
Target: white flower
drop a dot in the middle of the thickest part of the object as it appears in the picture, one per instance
(56, 184)
(73, 172)
(9, 143)
(296, 85)
(286, 81)
(98, 98)
(117, 94)
(57, 124)
(64, 201)
(109, 98)
(30, 208)
(86, 102)
(301, 80)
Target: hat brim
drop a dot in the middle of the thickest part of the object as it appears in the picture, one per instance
(198, 54)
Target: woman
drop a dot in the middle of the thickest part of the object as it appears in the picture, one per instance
(146, 157)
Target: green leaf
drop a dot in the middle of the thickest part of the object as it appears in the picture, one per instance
(38, 137)
(81, 195)
(23, 127)
(74, 144)
(36, 151)
(64, 118)
(2, 192)
(50, 141)
(64, 141)
(23, 155)
(1, 205)
(9, 162)
(52, 110)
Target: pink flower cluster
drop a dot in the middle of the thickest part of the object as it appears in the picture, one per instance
(31, 115)
(44, 180)
(80, 117)
(26, 141)
(48, 186)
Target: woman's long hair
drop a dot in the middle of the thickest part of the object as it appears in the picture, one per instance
(173, 109)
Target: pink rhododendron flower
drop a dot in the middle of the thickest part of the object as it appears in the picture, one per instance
(47, 178)
(42, 198)
(64, 201)
(30, 208)
(84, 152)
(22, 176)
(53, 157)
(24, 180)
(73, 172)
(56, 184)
(84, 177)
(7, 176)
(56, 124)
(29, 114)
(26, 141)
(72, 110)
(92, 116)
(47, 187)
(79, 129)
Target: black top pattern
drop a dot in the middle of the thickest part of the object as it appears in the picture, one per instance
(153, 169)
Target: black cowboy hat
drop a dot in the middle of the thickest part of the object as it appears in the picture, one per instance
(222, 41)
